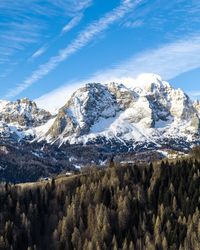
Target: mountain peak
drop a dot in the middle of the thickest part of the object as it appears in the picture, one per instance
(23, 112)
(148, 110)
(150, 83)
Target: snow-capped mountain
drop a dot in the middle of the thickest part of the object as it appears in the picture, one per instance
(111, 119)
(19, 116)
(148, 112)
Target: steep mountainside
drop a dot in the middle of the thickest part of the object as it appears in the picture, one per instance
(197, 106)
(100, 120)
(19, 116)
(150, 111)
(23, 112)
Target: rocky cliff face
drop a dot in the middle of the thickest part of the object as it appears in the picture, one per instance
(196, 105)
(150, 109)
(19, 116)
(82, 111)
(147, 111)
(23, 112)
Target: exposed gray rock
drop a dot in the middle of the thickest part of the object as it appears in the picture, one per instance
(23, 112)
(141, 112)
(148, 111)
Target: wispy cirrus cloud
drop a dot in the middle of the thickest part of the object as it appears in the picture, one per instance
(169, 61)
(134, 24)
(180, 16)
(24, 23)
(72, 7)
(84, 37)
(194, 94)
(49, 7)
(69, 26)
(15, 36)
(39, 52)
(74, 21)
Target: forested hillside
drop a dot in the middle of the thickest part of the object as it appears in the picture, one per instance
(129, 207)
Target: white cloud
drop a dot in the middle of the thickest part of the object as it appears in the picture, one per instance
(168, 61)
(39, 52)
(134, 24)
(194, 94)
(17, 35)
(57, 98)
(72, 7)
(69, 26)
(54, 100)
(24, 23)
(75, 21)
(82, 40)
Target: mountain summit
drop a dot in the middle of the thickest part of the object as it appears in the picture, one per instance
(149, 112)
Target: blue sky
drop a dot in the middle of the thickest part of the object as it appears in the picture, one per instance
(48, 44)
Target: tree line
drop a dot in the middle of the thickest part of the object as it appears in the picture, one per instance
(131, 207)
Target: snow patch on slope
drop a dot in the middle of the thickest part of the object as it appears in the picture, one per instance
(146, 109)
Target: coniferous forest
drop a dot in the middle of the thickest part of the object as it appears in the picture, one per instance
(156, 206)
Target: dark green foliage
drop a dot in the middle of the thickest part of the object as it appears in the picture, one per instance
(195, 152)
(133, 207)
